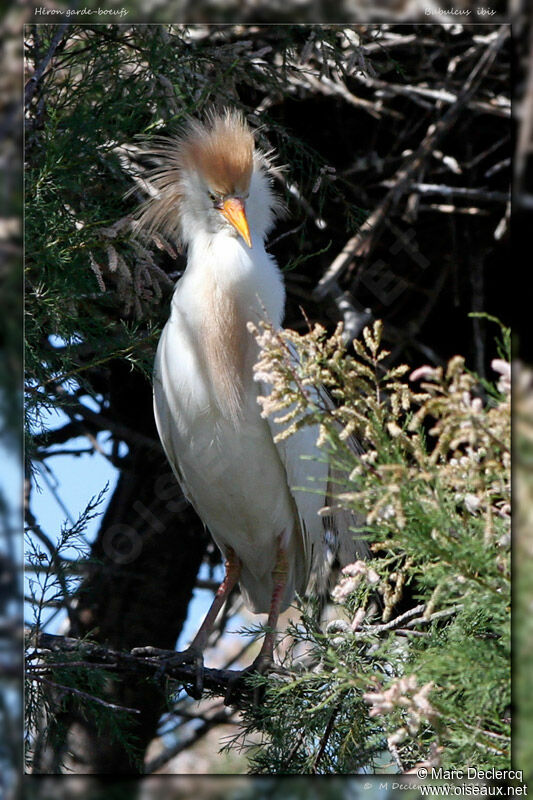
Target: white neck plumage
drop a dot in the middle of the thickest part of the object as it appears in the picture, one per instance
(225, 286)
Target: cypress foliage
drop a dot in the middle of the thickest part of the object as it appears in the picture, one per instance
(383, 686)
(427, 681)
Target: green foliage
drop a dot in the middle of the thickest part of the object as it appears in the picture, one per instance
(433, 484)
(57, 682)
(392, 686)
(51, 584)
(95, 295)
(99, 292)
(69, 683)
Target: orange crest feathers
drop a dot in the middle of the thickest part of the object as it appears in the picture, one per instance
(221, 150)
(222, 153)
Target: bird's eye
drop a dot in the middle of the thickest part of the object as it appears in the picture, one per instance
(215, 199)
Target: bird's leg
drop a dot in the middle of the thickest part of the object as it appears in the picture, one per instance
(265, 660)
(233, 571)
(194, 652)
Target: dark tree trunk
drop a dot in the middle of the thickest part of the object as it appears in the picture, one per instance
(146, 558)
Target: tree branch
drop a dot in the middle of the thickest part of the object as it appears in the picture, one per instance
(216, 681)
(359, 244)
(33, 82)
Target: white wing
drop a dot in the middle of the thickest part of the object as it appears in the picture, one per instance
(314, 481)
(307, 471)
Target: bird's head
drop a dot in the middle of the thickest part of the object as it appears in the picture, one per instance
(211, 180)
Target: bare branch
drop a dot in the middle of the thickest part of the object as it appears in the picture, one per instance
(360, 243)
(33, 82)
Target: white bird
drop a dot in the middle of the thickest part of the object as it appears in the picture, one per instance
(212, 192)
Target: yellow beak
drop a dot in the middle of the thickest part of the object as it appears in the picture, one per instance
(233, 210)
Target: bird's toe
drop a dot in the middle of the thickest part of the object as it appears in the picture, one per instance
(196, 658)
(239, 684)
(173, 658)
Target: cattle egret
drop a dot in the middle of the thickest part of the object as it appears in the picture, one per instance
(211, 191)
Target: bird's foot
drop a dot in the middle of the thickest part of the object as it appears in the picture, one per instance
(238, 684)
(174, 658)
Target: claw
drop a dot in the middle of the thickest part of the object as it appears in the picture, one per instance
(195, 657)
(171, 658)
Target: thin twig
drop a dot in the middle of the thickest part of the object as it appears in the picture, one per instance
(324, 739)
(448, 208)
(405, 620)
(454, 191)
(33, 669)
(329, 87)
(71, 407)
(85, 695)
(440, 95)
(220, 718)
(56, 563)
